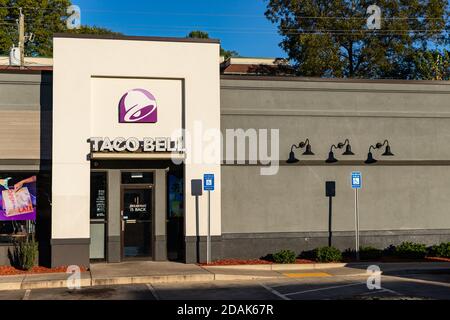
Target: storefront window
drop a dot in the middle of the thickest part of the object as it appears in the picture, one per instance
(98, 195)
(17, 205)
(99, 207)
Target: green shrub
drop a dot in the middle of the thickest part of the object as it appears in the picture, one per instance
(441, 250)
(411, 250)
(25, 254)
(327, 254)
(370, 253)
(284, 256)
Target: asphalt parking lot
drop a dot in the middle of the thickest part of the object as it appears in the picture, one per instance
(322, 287)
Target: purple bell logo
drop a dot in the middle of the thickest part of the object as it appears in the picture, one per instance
(137, 106)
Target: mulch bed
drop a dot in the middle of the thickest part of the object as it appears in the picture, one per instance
(236, 262)
(9, 271)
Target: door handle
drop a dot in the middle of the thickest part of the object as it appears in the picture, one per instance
(123, 225)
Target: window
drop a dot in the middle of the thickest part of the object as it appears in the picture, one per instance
(18, 197)
(99, 214)
(137, 177)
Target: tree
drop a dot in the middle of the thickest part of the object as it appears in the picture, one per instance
(433, 65)
(198, 34)
(43, 18)
(330, 37)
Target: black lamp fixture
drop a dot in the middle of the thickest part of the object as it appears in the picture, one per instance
(340, 145)
(378, 145)
(304, 144)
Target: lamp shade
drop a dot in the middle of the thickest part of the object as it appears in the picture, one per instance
(387, 152)
(370, 159)
(292, 158)
(331, 158)
(308, 151)
(348, 151)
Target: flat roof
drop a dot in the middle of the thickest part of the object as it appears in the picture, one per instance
(134, 38)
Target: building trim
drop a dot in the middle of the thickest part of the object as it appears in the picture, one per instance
(320, 234)
(340, 80)
(134, 38)
(321, 162)
(327, 113)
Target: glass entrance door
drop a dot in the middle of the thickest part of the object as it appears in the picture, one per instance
(137, 216)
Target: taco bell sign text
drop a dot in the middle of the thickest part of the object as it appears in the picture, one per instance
(137, 106)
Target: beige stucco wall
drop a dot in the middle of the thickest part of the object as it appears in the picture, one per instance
(76, 61)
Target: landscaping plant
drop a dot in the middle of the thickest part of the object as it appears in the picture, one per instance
(411, 250)
(284, 256)
(370, 253)
(327, 254)
(25, 254)
(441, 250)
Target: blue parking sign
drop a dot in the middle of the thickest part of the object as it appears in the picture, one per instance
(208, 182)
(356, 180)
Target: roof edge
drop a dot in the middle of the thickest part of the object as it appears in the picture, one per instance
(134, 38)
(317, 79)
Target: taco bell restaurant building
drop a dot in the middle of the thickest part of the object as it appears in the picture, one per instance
(99, 149)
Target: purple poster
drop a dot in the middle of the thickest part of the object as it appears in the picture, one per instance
(17, 197)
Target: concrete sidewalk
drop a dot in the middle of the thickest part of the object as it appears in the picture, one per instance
(138, 272)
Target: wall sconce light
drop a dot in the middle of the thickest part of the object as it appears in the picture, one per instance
(340, 145)
(378, 145)
(301, 145)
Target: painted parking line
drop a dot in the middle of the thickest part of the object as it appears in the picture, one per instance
(153, 291)
(26, 296)
(307, 275)
(275, 292)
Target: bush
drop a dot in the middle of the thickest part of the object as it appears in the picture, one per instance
(327, 254)
(370, 253)
(410, 250)
(284, 256)
(441, 250)
(25, 254)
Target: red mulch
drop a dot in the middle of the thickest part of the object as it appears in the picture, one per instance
(8, 271)
(231, 262)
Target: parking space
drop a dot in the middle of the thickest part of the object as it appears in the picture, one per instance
(431, 286)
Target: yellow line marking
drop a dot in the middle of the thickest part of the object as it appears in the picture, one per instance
(307, 275)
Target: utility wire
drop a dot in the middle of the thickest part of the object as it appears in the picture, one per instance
(121, 12)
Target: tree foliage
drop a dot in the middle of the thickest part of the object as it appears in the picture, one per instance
(204, 35)
(330, 37)
(43, 18)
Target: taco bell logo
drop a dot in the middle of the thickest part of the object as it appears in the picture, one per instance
(137, 106)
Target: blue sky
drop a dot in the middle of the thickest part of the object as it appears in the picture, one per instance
(239, 24)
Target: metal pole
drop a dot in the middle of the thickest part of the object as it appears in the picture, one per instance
(208, 244)
(356, 225)
(22, 38)
(330, 205)
(357, 220)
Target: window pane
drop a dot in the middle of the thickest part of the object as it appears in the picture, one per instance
(97, 246)
(98, 195)
(137, 177)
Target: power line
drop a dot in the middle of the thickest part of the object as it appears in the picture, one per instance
(121, 12)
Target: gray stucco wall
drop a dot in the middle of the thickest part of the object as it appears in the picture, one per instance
(404, 198)
(25, 112)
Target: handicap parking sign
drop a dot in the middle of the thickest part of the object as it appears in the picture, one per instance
(208, 182)
(356, 180)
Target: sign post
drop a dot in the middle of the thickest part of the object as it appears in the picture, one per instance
(356, 178)
(208, 185)
(196, 191)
